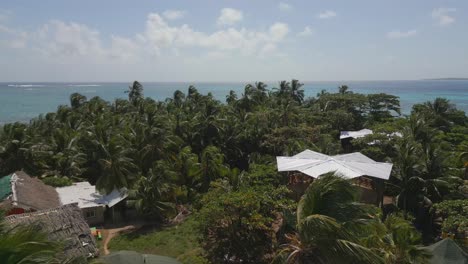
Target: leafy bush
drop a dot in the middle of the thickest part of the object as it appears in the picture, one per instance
(455, 215)
(57, 181)
(241, 225)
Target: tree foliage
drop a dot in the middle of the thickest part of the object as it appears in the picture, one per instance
(218, 158)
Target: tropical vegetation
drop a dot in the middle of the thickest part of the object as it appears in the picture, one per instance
(26, 244)
(218, 160)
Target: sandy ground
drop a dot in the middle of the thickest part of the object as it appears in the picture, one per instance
(108, 234)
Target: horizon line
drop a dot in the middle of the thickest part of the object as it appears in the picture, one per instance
(241, 81)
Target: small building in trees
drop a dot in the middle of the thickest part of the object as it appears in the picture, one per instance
(366, 173)
(63, 224)
(94, 205)
(347, 136)
(20, 193)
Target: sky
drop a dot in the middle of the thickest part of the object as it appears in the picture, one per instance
(232, 40)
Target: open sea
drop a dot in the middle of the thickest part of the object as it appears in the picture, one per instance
(23, 101)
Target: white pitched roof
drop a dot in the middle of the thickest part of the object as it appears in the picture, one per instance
(355, 134)
(86, 195)
(349, 166)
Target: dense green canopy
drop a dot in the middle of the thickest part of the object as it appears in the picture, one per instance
(194, 153)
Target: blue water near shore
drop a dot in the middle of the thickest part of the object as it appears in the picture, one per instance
(23, 101)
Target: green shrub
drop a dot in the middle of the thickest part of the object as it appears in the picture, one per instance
(455, 215)
(57, 182)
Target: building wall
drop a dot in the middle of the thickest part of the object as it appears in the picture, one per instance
(16, 210)
(93, 215)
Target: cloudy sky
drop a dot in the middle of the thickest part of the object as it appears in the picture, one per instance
(236, 40)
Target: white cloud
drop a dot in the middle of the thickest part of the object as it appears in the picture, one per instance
(58, 38)
(230, 16)
(174, 14)
(326, 14)
(278, 31)
(160, 35)
(308, 31)
(123, 48)
(15, 38)
(442, 16)
(5, 29)
(284, 6)
(397, 34)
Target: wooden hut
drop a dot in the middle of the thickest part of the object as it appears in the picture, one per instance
(364, 172)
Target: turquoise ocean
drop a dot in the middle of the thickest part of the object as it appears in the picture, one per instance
(23, 101)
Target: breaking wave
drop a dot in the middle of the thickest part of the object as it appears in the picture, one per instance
(26, 85)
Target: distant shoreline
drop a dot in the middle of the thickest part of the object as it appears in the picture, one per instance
(446, 79)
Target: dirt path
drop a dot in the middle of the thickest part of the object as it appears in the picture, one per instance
(108, 234)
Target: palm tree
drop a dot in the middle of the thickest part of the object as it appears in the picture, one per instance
(434, 173)
(408, 168)
(187, 170)
(117, 168)
(152, 196)
(395, 240)
(296, 92)
(14, 148)
(322, 235)
(207, 125)
(26, 244)
(150, 141)
(231, 98)
(440, 113)
(77, 100)
(135, 93)
(212, 166)
(404, 243)
(343, 89)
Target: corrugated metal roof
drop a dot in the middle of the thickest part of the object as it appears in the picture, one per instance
(355, 134)
(5, 187)
(86, 195)
(349, 165)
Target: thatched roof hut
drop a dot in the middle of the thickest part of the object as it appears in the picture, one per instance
(64, 224)
(29, 193)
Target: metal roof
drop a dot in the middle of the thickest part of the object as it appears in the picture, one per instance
(349, 166)
(355, 134)
(5, 187)
(86, 195)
